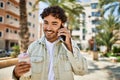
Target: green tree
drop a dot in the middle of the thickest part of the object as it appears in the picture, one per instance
(24, 31)
(106, 35)
(72, 8)
(112, 6)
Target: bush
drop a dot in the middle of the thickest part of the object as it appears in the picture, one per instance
(110, 54)
(118, 58)
(16, 51)
(116, 49)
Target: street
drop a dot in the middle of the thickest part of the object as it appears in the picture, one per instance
(102, 69)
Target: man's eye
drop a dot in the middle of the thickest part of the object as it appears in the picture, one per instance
(45, 23)
(54, 24)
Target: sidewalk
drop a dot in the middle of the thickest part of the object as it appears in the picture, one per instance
(102, 69)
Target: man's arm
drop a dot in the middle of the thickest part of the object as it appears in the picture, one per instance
(78, 62)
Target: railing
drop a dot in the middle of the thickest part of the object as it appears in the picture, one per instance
(8, 62)
(12, 36)
(12, 22)
(12, 9)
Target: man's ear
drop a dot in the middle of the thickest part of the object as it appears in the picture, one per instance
(65, 24)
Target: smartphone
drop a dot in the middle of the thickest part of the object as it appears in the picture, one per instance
(62, 36)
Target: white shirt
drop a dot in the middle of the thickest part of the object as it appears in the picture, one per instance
(50, 48)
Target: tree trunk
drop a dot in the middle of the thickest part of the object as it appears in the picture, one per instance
(24, 30)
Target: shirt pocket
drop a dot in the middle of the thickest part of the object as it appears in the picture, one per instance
(37, 64)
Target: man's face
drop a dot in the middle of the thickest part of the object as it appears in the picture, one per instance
(51, 27)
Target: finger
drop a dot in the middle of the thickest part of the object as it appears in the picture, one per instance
(24, 70)
(21, 63)
(21, 68)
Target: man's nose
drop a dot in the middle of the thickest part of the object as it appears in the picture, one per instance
(49, 27)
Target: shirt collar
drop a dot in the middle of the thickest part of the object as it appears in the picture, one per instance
(43, 41)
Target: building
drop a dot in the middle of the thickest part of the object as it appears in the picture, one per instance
(9, 22)
(90, 19)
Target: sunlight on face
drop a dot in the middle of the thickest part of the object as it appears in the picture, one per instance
(51, 26)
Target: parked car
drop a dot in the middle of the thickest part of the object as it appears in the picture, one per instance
(3, 53)
(9, 52)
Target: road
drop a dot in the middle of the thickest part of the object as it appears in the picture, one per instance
(98, 70)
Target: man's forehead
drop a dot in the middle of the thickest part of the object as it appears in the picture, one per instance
(51, 21)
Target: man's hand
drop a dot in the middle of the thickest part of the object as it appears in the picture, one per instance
(64, 31)
(21, 68)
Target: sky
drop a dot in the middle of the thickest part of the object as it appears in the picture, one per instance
(43, 5)
(85, 0)
(108, 12)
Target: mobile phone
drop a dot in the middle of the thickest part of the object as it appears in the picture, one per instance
(62, 36)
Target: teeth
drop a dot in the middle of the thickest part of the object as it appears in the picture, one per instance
(49, 32)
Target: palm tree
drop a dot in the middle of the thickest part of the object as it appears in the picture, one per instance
(72, 8)
(106, 28)
(112, 5)
(24, 31)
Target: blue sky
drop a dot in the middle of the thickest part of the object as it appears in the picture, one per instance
(85, 0)
(43, 5)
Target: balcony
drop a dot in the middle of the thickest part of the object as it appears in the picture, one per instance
(12, 22)
(76, 33)
(11, 36)
(13, 10)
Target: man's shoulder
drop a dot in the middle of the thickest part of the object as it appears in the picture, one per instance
(36, 42)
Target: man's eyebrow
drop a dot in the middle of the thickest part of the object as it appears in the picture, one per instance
(54, 22)
(45, 21)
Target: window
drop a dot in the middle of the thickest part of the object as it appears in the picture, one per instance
(94, 30)
(30, 3)
(29, 24)
(96, 14)
(1, 5)
(33, 35)
(94, 5)
(15, 19)
(15, 32)
(8, 16)
(96, 22)
(84, 31)
(33, 16)
(8, 2)
(1, 19)
(29, 14)
(83, 15)
(12, 44)
(83, 37)
(33, 25)
(0, 34)
(7, 30)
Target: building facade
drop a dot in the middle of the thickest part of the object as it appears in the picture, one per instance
(90, 19)
(9, 22)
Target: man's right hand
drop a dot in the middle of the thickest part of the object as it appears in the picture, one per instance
(21, 68)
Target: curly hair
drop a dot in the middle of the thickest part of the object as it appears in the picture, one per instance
(56, 12)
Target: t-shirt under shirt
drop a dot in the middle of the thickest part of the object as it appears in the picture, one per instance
(50, 49)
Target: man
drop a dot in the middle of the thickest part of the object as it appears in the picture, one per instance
(52, 58)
